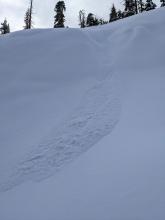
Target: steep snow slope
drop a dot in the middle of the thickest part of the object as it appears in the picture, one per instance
(61, 92)
(59, 105)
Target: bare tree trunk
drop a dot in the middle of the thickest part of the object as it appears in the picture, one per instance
(136, 7)
(31, 11)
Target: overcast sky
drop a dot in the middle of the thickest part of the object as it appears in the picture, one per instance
(14, 11)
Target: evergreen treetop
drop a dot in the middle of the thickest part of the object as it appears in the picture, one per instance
(113, 14)
(5, 28)
(162, 3)
(149, 5)
(82, 19)
(59, 17)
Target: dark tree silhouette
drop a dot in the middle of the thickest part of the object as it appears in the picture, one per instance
(31, 11)
(149, 5)
(28, 16)
(5, 28)
(130, 8)
(59, 17)
(141, 6)
(162, 3)
(119, 14)
(82, 19)
(113, 14)
(91, 20)
(102, 21)
(27, 19)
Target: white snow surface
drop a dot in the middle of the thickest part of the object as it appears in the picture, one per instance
(82, 122)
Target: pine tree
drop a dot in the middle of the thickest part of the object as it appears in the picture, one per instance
(102, 21)
(136, 6)
(5, 27)
(149, 5)
(113, 14)
(91, 20)
(28, 16)
(119, 14)
(82, 19)
(59, 17)
(96, 21)
(27, 19)
(130, 8)
(162, 3)
(141, 6)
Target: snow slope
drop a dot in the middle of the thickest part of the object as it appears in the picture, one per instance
(65, 91)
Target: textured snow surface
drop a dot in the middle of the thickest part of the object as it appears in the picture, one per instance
(70, 91)
(95, 117)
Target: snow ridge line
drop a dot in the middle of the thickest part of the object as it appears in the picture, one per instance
(95, 118)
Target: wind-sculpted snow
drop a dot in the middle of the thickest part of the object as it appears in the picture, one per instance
(94, 118)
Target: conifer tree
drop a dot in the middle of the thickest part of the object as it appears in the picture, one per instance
(5, 27)
(149, 5)
(141, 6)
(91, 20)
(82, 19)
(96, 21)
(28, 16)
(136, 6)
(119, 14)
(162, 3)
(102, 21)
(59, 17)
(27, 19)
(113, 14)
(130, 8)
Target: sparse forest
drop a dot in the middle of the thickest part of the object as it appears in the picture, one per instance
(130, 8)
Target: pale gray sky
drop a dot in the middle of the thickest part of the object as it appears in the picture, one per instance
(14, 11)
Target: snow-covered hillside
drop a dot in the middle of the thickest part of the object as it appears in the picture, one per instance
(93, 97)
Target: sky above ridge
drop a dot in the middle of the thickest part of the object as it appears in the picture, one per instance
(14, 11)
